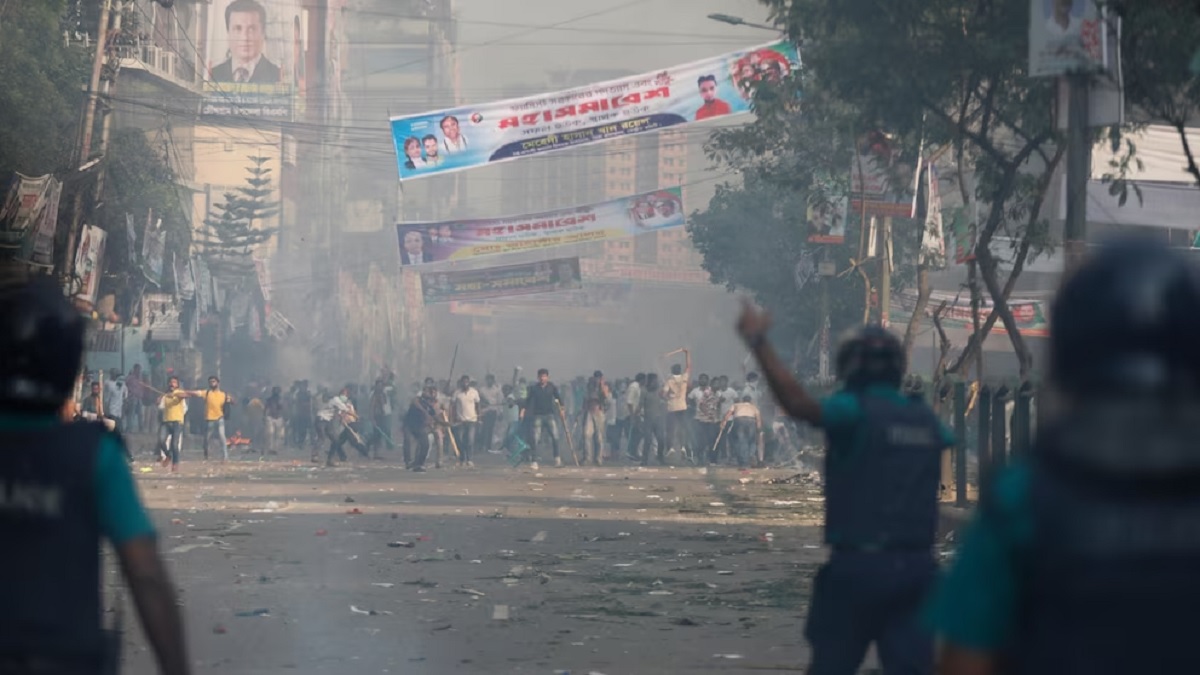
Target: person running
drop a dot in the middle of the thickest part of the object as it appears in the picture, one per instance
(419, 424)
(337, 415)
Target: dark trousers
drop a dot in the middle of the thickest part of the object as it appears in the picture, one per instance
(381, 433)
(859, 598)
(539, 424)
(464, 434)
(420, 440)
(654, 430)
(170, 439)
(339, 435)
(635, 437)
(487, 430)
(706, 438)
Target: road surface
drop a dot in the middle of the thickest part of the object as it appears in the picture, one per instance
(286, 567)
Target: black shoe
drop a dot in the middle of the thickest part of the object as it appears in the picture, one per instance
(418, 469)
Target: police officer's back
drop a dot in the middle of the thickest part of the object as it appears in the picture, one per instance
(881, 492)
(1086, 558)
(63, 486)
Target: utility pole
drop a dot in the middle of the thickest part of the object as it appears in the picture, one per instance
(109, 85)
(85, 144)
(885, 282)
(1079, 165)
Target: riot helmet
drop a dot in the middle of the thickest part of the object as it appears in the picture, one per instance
(1128, 323)
(870, 355)
(41, 346)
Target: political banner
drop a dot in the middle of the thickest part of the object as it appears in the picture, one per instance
(933, 239)
(962, 232)
(255, 58)
(38, 247)
(877, 186)
(25, 200)
(1066, 36)
(547, 276)
(262, 271)
(467, 239)
(154, 241)
(1029, 314)
(461, 138)
(89, 260)
(826, 216)
(204, 295)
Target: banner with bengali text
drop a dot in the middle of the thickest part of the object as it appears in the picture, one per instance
(461, 138)
(469, 239)
(546, 276)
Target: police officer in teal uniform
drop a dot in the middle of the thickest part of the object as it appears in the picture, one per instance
(881, 493)
(63, 487)
(1086, 556)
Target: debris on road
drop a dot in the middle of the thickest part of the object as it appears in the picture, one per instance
(219, 630)
(369, 612)
(402, 544)
(349, 499)
(322, 533)
(728, 656)
(471, 592)
(354, 512)
(254, 612)
(500, 613)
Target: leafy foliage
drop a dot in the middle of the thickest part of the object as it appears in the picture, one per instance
(233, 228)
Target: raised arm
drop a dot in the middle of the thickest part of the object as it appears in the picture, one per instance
(792, 396)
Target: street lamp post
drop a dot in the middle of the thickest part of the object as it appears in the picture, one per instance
(739, 21)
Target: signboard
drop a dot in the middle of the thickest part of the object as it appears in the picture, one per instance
(38, 247)
(160, 316)
(25, 200)
(1029, 314)
(1066, 36)
(933, 240)
(560, 274)
(875, 190)
(468, 239)
(461, 138)
(154, 242)
(89, 260)
(254, 47)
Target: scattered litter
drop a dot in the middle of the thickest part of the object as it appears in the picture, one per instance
(660, 593)
(322, 533)
(716, 503)
(176, 521)
(768, 537)
(219, 630)
(811, 546)
(395, 516)
(623, 565)
(684, 621)
(476, 562)
(401, 544)
(349, 499)
(786, 502)
(725, 573)
(354, 512)
(728, 656)
(254, 612)
(146, 469)
(500, 613)
(443, 627)
(383, 584)
(369, 612)
(539, 537)
(470, 591)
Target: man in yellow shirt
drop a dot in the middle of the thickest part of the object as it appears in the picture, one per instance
(215, 401)
(170, 435)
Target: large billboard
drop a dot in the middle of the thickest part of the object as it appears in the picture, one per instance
(254, 65)
(546, 276)
(468, 239)
(1066, 36)
(465, 137)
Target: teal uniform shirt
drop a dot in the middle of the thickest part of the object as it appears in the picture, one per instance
(975, 604)
(842, 413)
(118, 507)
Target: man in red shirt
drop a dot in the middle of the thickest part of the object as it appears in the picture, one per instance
(712, 106)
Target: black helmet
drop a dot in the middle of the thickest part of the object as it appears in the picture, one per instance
(1128, 322)
(871, 355)
(41, 346)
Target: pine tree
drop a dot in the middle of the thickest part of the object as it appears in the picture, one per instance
(233, 229)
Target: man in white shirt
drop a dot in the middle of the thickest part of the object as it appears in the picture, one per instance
(633, 406)
(751, 389)
(466, 414)
(675, 392)
(337, 414)
(1061, 26)
(115, 394)
(491, 395)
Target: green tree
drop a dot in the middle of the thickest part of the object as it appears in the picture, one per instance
(234, 228)
(42, 96)
(950, 75)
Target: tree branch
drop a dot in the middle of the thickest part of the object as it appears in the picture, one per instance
(1187, 151)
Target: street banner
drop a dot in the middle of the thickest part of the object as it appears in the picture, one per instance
(204, 295)
(547, 276)
(255, 65)
(38, 246)
(89, 260)
(154, 241)
(25, 200)
(130, 239)
(469, 239)
(263, 271)
(1029, 314)
(461, 138)
(185, 283)
(826, 214)
(1066, 36)
(160, 317)
(876, 188)
(933, 239)
(962, 232)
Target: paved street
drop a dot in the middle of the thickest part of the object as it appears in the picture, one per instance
(289, 568)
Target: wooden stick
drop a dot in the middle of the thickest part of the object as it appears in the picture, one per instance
(567, 430)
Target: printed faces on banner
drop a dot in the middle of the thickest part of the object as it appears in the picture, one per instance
(256, 58)
(422, 243)
(462, 138)
(1066, 36)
